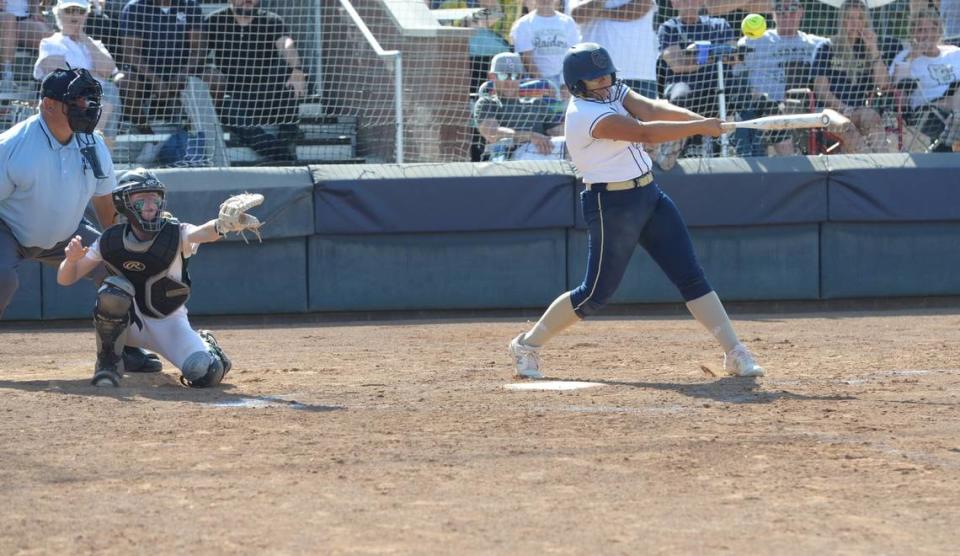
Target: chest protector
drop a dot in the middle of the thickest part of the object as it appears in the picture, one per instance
(157, 295)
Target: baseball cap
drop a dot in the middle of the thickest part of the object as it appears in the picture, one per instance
(85, 4)
(506, 62)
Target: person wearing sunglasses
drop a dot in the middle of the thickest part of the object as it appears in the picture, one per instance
(504, 118)
(781, 59)
(73, 47)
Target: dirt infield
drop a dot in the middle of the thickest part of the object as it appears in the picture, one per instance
(399, 437)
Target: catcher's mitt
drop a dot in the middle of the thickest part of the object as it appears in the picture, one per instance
(233, 215)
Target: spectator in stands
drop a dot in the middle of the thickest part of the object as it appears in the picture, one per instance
(934, 68)
(162, 43)
(72, 47)
(103, 26)
(542, 38)
(490, 25)
(690, 75)
(21, 24)
(779, 60)
(504, 120)
(735, 10)
(625, 29)
(261, 73)
(849, 70)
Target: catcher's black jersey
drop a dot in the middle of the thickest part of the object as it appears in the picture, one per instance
(157, 295)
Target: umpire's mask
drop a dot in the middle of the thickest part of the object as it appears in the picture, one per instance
(140, 180)
(81, 95)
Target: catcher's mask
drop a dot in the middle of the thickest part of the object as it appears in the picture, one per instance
(140, 180)
(80, 94)
(589, 60)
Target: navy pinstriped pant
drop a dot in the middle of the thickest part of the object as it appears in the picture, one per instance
(620, 220)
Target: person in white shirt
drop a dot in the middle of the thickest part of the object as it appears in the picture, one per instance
(606, 126)
(542, 38)
(780, 59)
(935, 69)
(625, 27)
(71, 47)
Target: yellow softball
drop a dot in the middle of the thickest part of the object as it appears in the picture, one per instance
(753, 26)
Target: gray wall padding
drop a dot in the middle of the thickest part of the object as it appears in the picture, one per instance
(73, 302)
(894, 188)
(890, 259)
(741, 263)
(748, 191)
(444, 204)
(195, 194)
(233, 278)
(437, 271)
(26, 302)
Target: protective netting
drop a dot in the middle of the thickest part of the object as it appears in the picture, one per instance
(279, 82)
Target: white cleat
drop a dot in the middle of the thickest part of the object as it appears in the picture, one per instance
(526, 358)
(739, 362)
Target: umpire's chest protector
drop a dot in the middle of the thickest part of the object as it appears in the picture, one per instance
(158, 295)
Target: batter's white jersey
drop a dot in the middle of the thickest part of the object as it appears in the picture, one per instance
(172, 336)
(602, 160)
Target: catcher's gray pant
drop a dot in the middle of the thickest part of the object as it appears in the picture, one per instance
(12, 254)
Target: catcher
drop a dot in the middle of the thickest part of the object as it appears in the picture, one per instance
(142, 302)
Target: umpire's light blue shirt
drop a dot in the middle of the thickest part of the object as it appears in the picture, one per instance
(46, 186)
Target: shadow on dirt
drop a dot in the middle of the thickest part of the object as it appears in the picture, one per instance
(728, 389)
(162, 387)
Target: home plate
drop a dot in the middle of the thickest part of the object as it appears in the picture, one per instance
(551, 385)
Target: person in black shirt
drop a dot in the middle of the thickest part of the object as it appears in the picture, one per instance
(161, 48)
(260, 78)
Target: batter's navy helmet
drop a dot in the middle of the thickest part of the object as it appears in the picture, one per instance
(587, 60)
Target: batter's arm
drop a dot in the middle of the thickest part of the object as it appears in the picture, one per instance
(106, 213)
(621, 128)
(648, 110)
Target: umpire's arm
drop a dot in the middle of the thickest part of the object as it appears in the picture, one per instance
(106, 214)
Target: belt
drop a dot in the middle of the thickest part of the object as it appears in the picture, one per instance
(641, 181)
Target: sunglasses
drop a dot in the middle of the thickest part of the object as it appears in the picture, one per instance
(793, 8)
(74, 10)
(507, 76)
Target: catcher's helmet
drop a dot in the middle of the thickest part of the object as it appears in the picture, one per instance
(140, 180)
(587, 60)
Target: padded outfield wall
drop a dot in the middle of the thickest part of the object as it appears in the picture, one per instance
(478, 236)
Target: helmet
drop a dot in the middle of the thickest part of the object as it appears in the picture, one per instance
(587, 60)
(140, 180)
(67, 85)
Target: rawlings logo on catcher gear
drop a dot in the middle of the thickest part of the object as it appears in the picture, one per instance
(134, 266)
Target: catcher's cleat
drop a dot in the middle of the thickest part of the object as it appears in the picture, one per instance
(106, 375)
(526, 359)
(136, 360)
(739, 362)
(211, 341)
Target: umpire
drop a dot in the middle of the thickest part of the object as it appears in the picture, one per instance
(51, 166)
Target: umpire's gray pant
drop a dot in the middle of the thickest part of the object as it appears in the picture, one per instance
(12, 254)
